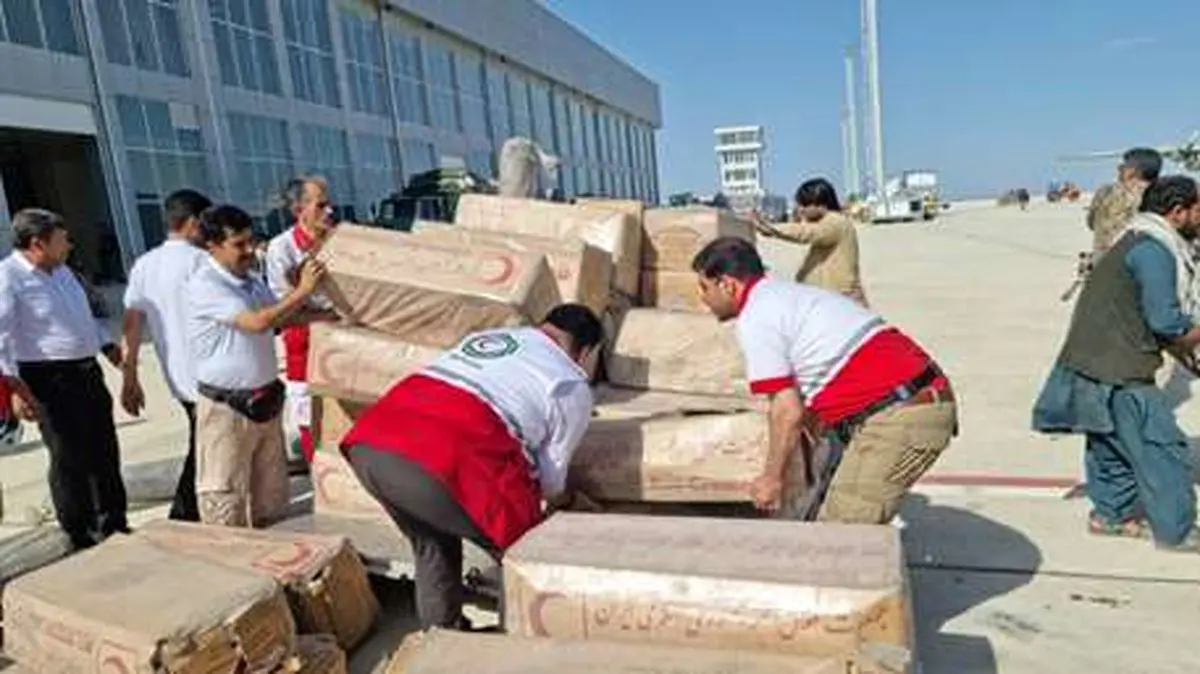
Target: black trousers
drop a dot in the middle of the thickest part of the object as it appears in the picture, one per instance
(184, 506)
(434, 523)
(76, 421)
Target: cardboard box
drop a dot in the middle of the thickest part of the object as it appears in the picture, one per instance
(359, 364)
(316, 654)
(447, 652)
(432, 293)
(130, 606)
(332, 419)
(610, 230)
(583, 271)
(704, 458)
(338, 491)
(635, 209)
(758, 585)
(675, 235)
(671, 290)
(676, 351)
(325, 582)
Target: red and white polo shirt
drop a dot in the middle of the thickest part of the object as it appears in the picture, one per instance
(842, 357)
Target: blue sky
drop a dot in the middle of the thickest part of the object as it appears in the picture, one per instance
(989, 93)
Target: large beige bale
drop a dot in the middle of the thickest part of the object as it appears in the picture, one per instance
(676, 351)
(675, 235)
(132, 607)
(338, 491)
(633, 207)
(358, 364)
(760, 585)
(325, 581)
(682, 456)
(433, 293)
(448, 652)
(332, 419)
(673, 290)
(583, 271)
(611, 230)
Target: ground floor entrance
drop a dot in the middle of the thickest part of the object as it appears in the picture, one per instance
(61, 172)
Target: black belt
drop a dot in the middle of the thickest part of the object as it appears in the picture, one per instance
(845, 428)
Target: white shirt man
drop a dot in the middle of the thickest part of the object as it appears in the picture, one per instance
(816, 353)
(49, 340)
(241, 475)
(308, 200)
(156, 296)
(470, 446)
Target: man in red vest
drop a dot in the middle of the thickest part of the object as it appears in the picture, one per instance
(472, 445)
(308, 201)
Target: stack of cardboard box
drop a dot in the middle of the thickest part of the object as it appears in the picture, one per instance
(674, 423)
(190, 598)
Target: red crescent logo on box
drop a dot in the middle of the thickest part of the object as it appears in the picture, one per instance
(322, 473)
(507, 268)
(536, 624)
(114, 659)
(278, 562)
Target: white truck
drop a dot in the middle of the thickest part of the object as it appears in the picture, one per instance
(913, 195)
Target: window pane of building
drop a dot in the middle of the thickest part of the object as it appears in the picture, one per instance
(417, 156)
(133, 123)
(365, 71)
(116, 40)
(310, 51)
(163, 155)
(141, 32)
(406, 69)
(264, 161)
(543, 130)
(21, 18)
(58, 17)
(244, 39)
(170, 41)
(324, 151)
(468, 74)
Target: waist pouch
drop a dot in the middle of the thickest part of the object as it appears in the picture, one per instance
(258, 404)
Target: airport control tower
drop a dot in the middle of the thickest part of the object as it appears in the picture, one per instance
(740, 160)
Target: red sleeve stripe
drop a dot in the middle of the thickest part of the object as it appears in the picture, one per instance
(773, 385)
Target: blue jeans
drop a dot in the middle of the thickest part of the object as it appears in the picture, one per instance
(1144, 461)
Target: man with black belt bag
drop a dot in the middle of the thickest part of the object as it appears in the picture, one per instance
(49, 340)
(874, 393)
(241, 463)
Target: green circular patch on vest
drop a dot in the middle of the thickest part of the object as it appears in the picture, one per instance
(491, 346)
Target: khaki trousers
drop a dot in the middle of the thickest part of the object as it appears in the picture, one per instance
(241, 467)
(888, 453)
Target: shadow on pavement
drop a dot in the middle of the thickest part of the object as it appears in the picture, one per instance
(948, 583)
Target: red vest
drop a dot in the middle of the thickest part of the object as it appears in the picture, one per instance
(462, 443)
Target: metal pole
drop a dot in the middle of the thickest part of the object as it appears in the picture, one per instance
(871, 28)
(853, 179)
(847, 158)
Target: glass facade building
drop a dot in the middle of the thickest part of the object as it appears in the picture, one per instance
(233, 97)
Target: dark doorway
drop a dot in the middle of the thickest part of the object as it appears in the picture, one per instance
(61, 172)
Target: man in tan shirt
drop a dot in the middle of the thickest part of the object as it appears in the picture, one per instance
(832, 261)
(1114, 205)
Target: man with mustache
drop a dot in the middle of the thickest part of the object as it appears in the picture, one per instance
(1139, 301)
(241, 464)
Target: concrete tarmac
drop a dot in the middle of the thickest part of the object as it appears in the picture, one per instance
(1005, 578)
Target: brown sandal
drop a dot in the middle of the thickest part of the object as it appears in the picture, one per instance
(1134, 527)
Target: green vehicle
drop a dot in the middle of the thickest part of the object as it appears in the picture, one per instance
(432, 195)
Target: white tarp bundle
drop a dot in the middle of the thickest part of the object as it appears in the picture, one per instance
(525, 170)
